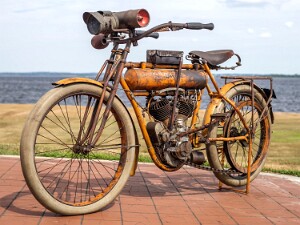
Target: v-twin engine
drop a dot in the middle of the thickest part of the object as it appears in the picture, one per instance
(173, 149)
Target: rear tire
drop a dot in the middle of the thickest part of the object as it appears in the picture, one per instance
(64, 175)
(234, 155)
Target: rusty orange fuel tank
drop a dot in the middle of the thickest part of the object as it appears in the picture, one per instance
(157, 79)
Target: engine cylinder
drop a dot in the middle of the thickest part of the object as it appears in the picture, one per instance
(157, 79)
(185, 108)
(160, 110)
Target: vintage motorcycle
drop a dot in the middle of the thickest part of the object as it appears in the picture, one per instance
(80, 145)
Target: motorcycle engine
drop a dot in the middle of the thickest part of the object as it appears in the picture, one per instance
(172, 149)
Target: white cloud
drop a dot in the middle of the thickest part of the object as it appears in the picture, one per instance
(265, 34)
(291, 6)
(250, 30)
(252, 3)
(289, 24)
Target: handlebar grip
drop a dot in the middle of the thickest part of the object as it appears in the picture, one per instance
(199, 26)
(153, 35)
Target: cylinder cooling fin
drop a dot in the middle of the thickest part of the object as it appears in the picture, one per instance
(160, 109)
(185, 108)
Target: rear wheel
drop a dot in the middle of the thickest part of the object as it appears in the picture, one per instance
(65, 173)
(233, 155)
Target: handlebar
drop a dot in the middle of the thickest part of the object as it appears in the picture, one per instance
(171, 26)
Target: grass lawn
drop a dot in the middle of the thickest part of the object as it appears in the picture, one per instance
(283, 156)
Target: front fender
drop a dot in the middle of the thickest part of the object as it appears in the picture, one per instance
(76, 80)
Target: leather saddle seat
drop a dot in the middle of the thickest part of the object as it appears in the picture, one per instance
(213, 58)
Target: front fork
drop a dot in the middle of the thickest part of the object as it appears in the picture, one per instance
(113, 71)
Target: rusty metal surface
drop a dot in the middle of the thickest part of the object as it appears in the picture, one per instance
(149, 79)
(77, 80)
(163, 57)
(177, 83)
(251, 80)
(145, 65)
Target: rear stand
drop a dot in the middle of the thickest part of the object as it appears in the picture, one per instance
(251, 80)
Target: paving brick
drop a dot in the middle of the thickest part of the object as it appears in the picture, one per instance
(106, 215)
(137, 200)
(252, 220)
(281, 213)
(19, 220)
(285, 221)
(101, 222)
(174, 210)
(145, 209)
(178, 219)
(250, 212)
(236, 204)
(216, 220)
(188, 196)
(199, 204)
(139, 218)
(67, 220)
(169, 201)
(216, 211)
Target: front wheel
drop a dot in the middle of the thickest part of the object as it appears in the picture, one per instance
(65, 173)
(233, 155)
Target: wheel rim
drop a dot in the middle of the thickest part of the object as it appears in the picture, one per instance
(69, 169)
(237, 151)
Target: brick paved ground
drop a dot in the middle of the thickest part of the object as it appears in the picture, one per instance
(188, 197)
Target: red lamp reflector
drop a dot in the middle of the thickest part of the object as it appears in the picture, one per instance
(143, 18)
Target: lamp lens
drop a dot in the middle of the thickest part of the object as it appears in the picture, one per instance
(143, 18)
(93, 25)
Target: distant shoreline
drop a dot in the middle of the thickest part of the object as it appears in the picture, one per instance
(46, 74)
(93, 74)
(29, 87)
(203, 110)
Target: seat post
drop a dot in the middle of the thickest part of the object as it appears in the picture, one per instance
(170, 126)
(212, 78)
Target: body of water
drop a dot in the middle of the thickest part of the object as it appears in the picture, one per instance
(24, 89)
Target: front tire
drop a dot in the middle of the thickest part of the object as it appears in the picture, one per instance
(63, 172)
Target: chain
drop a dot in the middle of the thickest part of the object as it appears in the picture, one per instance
(208, 168)
(217, 118)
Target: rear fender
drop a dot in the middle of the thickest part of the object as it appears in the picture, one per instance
(77, 80)
(216, 100)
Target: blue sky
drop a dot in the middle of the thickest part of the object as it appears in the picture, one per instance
(50, 35)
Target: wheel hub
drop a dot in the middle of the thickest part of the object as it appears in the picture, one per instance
(235, 133)
(82, 149)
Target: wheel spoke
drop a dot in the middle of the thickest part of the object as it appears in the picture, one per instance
(59, 142)
(70, 170)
